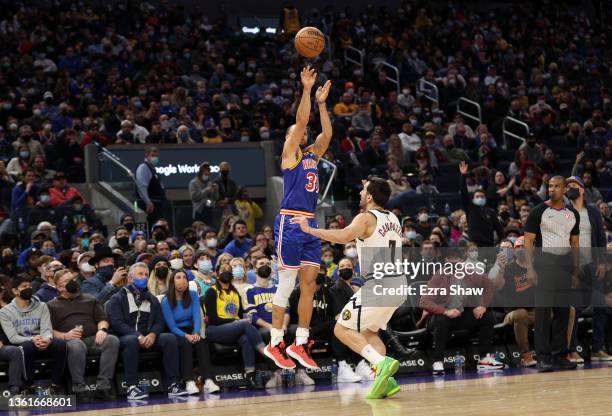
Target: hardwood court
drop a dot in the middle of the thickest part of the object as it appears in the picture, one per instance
(581, 392)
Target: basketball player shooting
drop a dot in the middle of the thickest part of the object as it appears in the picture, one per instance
(358, 325)
(296, 250)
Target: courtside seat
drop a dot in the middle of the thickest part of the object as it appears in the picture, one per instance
(219, 351)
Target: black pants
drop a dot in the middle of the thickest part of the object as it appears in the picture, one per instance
(186, 350)
(553, 298)
(161, 209)
(442, 325)
(325, 331)
(56, 352)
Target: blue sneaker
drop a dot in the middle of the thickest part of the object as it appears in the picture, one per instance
(175, 389)
(136, 393)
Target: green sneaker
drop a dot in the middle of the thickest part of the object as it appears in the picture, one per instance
(384, 369)
(392, 387)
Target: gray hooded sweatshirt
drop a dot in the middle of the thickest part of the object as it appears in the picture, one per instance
(20, 325)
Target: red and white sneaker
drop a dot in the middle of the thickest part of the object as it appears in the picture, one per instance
(490, 363)
(278, 354)
(301, 353)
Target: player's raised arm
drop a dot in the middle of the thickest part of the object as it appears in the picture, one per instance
(296, 134)
(322, 143)
(361, 227)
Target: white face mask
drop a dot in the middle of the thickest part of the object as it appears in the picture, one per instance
(351, 253)
(472, 255)
(86, 268)
(423, 217)
(176, 264)
(211, 243)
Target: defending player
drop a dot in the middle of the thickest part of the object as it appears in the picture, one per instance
(358, 325)
(296, 250)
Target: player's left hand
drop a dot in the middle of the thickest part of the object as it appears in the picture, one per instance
(322, 92)
(302, 222)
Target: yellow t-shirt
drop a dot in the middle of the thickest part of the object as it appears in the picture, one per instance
(341, 108)
(228, 304)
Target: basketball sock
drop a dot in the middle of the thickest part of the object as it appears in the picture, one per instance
(369, 353)
(276, 336)
(301, 336)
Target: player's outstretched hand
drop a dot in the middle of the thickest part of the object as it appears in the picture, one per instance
(302, 222)
(323, 92)
(308, 77)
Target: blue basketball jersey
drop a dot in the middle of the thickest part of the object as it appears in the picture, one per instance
(301, 184)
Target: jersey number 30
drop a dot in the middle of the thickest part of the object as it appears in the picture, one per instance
(313, 182)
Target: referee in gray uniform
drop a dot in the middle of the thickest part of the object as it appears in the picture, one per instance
(554, 228)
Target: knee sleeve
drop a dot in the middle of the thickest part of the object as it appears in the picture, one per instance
(286, 284)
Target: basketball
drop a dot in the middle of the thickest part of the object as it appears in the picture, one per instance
(309, 42)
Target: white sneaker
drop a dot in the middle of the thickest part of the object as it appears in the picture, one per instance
(346, 373)
(210, 386)
(364, 371)
(275, 381)
(303, 379)
(191, 388)
(489, 362)
(438, 368)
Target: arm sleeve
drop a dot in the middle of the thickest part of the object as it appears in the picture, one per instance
(99, 314)
(257, 212)
(534, 219)
(465, 197)
(10, 331)
(143, 177)
(106, 292)
(196, 191)
(46, 329)
(169, 318)
(197, 312)
(428, 302)
(576, 228)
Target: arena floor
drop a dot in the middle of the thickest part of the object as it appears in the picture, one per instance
(513, 392)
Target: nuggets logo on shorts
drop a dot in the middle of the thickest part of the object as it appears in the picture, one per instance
(346, 315)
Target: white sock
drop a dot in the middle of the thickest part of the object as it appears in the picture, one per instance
(369, 353)
(276, 336)
(301, 336)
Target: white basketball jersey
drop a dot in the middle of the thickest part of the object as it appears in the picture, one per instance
(387, 234)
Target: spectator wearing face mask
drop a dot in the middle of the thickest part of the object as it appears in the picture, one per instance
(42, 210)
(48, 289)
(86, 270)
(240, 279)
(259, 298)
(20, 163)
(423, 226)
(532, 150)
(135, 315)
(350, 252)
(151, 192)
(70, 309)
(228, 325)
(210, 244)
(451, 153)
(158, 277)
(204, 272)
(228, 188)
(204, 195)
(426, 186)
(327, 262)
(482, 221)
(27, 324)
(25, 138)
(106, 281)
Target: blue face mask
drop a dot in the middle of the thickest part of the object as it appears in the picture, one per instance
(154, 160)
(411, 235)
(44, 199)
(205, 266)
(85, 242)
(49, 251)
(141, 284)
(238, 272)
(480, 202)
(106, 272)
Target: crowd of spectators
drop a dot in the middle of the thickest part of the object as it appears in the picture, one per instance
(72, 74)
